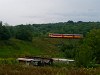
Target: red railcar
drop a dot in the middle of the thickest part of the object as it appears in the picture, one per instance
(69, 36)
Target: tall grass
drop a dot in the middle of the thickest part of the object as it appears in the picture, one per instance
(38, 47)
(9, 61)
(31, 70)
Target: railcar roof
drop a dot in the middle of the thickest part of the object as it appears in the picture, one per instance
(66, 34)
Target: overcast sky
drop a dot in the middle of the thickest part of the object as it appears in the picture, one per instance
(48, 11)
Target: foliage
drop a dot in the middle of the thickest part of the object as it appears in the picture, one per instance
(84, 56)
(69, 48)
(70, 27)
(42, 30)
(93, 41)
(24, 35)
(89, 51)
(4, 33)
(32, 39)
(38, 47)
(8, 61)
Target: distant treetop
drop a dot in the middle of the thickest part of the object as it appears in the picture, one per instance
(0, 23)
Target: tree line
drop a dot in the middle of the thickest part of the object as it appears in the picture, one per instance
(42, 30)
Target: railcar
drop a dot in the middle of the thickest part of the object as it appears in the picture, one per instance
(69, 36)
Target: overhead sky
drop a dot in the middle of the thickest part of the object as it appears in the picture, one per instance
(16, 12)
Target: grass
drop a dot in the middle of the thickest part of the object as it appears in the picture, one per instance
(10, 66)
(8, 61)
(47, 47)
(38, 47)
(16, 48)
(31, 70)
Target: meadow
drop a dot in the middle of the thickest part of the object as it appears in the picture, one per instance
(33, 70)
(44, 47)
(10, 66)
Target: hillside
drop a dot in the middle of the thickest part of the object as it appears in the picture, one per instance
(38, 47)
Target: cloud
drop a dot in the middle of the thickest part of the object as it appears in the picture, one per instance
(45, 11)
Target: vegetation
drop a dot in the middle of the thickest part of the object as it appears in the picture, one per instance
(29, 70)
(89, 51)
(4, 33)
(32, 40)
(38, 47)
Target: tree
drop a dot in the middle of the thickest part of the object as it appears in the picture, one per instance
(4, 32)
(0, 23)
(69, 48)
(70, 21)
(89, 51)
(24, 35)
(93, 41)
(84, 56)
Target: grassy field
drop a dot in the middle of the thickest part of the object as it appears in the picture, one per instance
(31, 70)
(38, 47)
(10, 66)
(45, 47)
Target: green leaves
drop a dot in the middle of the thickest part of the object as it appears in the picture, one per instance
(4, 33)
(93, 41)
(90, 49)
(24, 35)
